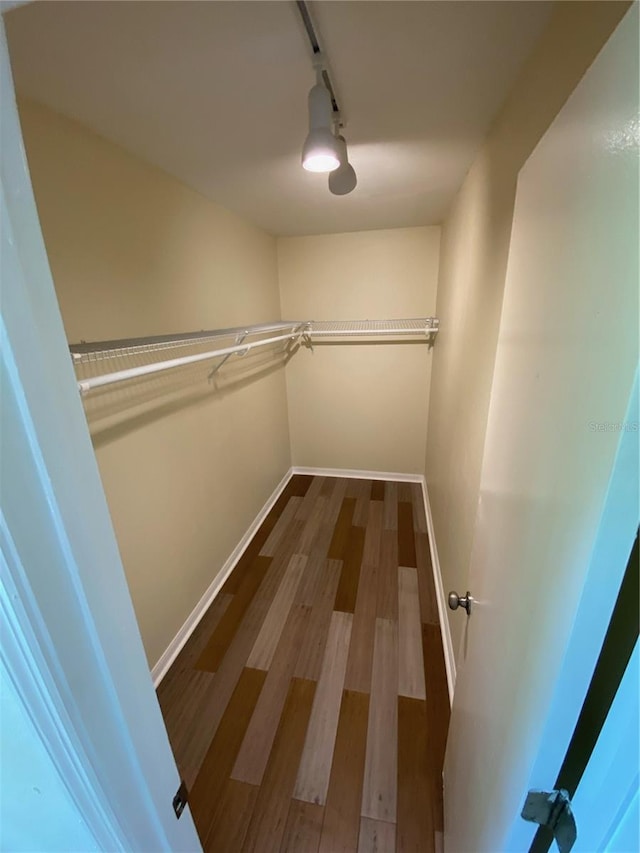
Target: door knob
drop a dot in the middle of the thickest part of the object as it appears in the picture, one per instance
(456, 601)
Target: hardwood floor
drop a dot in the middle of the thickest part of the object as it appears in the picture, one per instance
(308, 712)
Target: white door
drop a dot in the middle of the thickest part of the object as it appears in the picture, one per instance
(558, 508)
(81, 704)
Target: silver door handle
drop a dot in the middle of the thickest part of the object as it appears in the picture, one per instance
(456, 601)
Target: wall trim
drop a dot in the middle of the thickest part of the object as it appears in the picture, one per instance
(175, 646)
(443, 613)
(357, 474)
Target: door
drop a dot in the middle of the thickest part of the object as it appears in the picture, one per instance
(605, 804)
(558, 507)
(600, 770)
(81, 694)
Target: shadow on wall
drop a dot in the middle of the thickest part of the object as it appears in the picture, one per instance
(114, 411)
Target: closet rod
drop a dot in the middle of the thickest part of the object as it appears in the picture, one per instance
(91, 353)
(86, 385)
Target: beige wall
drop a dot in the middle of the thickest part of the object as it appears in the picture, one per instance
(185, 465)
(475, 242)
(359, 405)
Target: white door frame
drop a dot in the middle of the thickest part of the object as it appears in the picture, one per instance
(72, 646)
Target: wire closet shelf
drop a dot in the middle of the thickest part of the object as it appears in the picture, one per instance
(239, 341)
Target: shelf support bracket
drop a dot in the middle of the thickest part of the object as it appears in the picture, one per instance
(239, 339)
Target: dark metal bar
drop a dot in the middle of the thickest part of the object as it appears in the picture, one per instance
(315, 47)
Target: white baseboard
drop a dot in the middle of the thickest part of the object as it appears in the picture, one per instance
(172, 651)
(175, 646)
(355, 474)
(447, 643)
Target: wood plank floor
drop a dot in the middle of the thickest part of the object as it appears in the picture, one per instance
(308, 712)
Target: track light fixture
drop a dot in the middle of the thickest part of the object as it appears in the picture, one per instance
(321, 152)
(343, 179)
(325, 149)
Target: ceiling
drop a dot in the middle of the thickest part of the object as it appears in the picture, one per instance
(215, 94)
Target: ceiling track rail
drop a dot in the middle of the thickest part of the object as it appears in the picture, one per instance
(318, 53)
(240, 341)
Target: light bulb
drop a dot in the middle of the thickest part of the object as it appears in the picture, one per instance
(320, 152)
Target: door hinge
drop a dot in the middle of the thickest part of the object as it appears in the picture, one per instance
(553, 810)
(181, 799)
